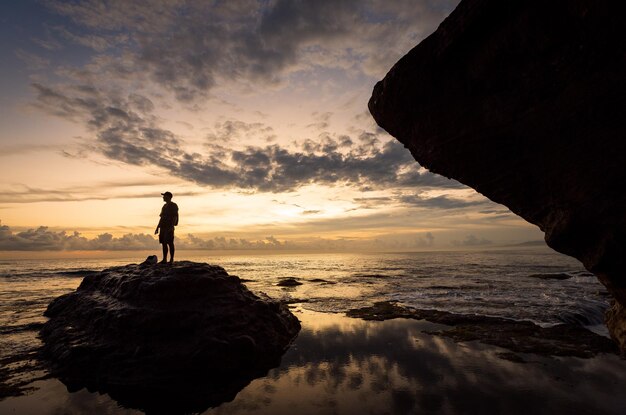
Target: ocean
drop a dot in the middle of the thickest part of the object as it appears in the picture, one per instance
(533, 284)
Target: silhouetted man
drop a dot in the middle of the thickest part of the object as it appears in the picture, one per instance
(169, 219)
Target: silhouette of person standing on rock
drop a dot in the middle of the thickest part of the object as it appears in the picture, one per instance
(169, 219)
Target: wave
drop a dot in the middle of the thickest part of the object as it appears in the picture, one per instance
(46, 273)
(76, 272)
(370, 276)
(587, 314)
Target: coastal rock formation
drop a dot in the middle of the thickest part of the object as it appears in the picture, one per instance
(517, 336)
(182, 336)
(616, 323)
(523, 101)
(288, 282)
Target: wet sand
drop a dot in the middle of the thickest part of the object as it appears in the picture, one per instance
(345, 365)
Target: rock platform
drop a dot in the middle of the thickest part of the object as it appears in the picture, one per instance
(170, 333)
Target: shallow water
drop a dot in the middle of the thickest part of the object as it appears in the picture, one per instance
(339, 365)
(513, 284)
(497, 283)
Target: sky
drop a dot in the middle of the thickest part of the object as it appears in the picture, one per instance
(252, 113)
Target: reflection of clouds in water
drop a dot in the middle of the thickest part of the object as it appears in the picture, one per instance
(342, 365)
(52, 398)
(349, 366)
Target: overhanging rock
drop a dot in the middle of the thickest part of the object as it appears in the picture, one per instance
(523, 100)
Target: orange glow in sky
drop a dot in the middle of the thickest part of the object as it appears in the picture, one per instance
(253, 114)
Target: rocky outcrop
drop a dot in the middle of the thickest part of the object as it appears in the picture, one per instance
(165, 338)
(523, 101)
(288, 282)
(616, 323)
(517, 336)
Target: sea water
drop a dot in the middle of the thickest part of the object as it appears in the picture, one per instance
(533, 284)
(524, 284)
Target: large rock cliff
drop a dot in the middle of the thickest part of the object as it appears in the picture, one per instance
(168, 338)
(524, 100)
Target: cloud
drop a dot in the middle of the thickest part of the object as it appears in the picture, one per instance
(428, 239)
(495, 211)
(21, 193)
(236, 130)
(98, 43)
(126, 131)
(190, 47)
(471, 240)
(19, 149)
(33, 61)
(44, 239)
(439, 202)
(372, 202)
(417, 200)
(321, 120)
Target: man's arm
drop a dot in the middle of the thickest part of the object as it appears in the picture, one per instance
(158, 226)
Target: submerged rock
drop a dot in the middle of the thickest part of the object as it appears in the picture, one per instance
(518, 336)
(289, 282)
(556, 276)
(185, 335)
(523, 101)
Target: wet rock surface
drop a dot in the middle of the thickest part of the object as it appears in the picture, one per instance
(165, 338)
(517, 336)
(18, 372)
(288, 282)
(616, 322)
(557, 276)
(523, 101)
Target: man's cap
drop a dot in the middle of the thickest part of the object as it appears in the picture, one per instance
(167, 194)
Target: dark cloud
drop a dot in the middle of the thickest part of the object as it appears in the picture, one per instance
(372, 202)
(326, 143)
(439, 202)
(495, 211)
(188, 47)
(417, 200)
(126, 131)
(471, 240)
(235, 130)
(98, 43)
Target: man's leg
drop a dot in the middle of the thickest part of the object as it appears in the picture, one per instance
(164, 252)
(171, 251)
